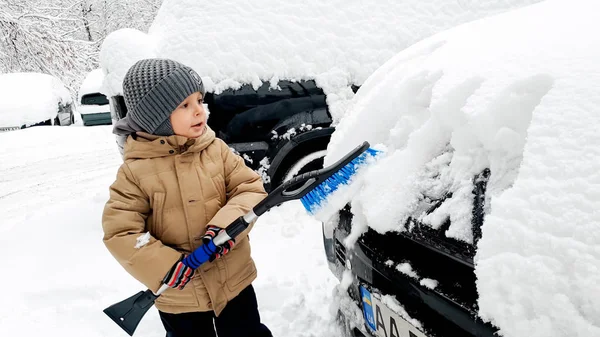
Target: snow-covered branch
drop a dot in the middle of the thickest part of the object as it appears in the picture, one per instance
(63, 37)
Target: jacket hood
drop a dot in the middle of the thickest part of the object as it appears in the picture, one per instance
(126, 126)
(142, 145)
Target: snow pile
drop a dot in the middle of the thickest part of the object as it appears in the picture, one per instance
(429, 283)
(294, 285)
(338, 44)
(406, 269)
(92, 83)
(518, 94)
(29, 98)
(120, 50)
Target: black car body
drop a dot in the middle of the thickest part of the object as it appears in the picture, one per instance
(450, 308)
(272, 129)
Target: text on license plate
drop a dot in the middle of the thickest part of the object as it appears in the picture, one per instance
(383, 321)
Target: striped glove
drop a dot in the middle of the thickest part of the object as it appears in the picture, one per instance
(179, 275)
(211, 232)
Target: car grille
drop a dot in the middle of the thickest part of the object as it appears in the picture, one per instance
(449, 309)
(340, 252)
(430, 253)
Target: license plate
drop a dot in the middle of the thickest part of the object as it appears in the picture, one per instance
(383, 321)
(8, 128)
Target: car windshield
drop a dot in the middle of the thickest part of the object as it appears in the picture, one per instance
(94, 99)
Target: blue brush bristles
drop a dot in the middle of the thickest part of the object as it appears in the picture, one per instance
(314, 199)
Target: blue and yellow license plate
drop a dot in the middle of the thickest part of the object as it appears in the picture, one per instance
(382, 321)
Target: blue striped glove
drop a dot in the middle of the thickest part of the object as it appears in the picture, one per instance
(211, 232)
(179, 275)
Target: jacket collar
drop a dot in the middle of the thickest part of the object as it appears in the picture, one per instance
(143, 145)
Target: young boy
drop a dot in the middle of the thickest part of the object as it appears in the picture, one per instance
(179, 186)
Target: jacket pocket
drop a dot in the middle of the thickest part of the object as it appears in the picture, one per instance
(176, 300)
(158, 205)
(239, 267)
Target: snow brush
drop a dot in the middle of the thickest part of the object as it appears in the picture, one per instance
(311, 187)
(317, 198)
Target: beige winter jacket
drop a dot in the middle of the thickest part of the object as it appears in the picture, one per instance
(172, 187)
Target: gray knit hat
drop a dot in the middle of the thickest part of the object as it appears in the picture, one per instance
(153, 88)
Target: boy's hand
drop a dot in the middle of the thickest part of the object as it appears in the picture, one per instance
(179, 275)
(211, 232)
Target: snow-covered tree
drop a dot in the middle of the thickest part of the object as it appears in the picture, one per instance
(40, 41)
(111, 15)
(63, 37)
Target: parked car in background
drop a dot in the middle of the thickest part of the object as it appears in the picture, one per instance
(93, 105)
(279, 75)
(32, 99)
(476, 219)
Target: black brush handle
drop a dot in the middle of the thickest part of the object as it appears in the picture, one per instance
(292, 189)
(301, 185)
(236, 227)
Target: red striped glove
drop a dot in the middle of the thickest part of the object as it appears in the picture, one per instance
(211, 232)
(179, 275)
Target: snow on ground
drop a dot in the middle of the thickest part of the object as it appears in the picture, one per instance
(58, 276)
(337, 43)
(29, 98)
(519, 94)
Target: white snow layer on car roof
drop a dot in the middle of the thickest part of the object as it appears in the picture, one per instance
(519, 94)
(336, 43)
(28, 98)
(92, 83)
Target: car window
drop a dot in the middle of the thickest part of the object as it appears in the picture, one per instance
(94, 99)
(244, 98)
(229, 103)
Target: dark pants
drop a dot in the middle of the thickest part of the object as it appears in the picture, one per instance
(240, 318)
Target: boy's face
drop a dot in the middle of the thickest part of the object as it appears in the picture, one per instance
(189, 118)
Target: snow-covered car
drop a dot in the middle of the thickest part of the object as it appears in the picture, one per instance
(280, 75)
(480, 217)
(30, 99)
(93, 104)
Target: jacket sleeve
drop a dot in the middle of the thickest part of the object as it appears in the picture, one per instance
(124, 224)
(244, 190)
